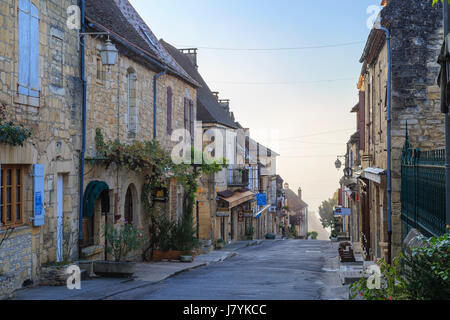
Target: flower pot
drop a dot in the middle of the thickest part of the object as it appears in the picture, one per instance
(114, 269)
(158, 255)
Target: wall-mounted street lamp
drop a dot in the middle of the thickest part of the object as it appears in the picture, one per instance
(338, 163)
(109, 53)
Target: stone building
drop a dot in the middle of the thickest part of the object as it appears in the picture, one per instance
(416, 38)
(39, 89)
(121, 102)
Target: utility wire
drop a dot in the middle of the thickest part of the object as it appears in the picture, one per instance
(282, 83)
(346, 44)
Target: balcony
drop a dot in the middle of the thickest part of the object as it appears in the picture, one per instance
(237, 178)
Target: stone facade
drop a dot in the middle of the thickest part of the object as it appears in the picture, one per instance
(108, 110)
(53, 116)
(416, 39)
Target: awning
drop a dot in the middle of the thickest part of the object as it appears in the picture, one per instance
(259, 213)
(238, 198)
(93, 191)
(373, 174)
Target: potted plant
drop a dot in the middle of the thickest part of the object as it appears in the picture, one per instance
(121, 241)
(55, 274)
(220, 243)
(249, 233)
(334, 235)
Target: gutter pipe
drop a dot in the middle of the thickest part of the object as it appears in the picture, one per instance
(83, 126)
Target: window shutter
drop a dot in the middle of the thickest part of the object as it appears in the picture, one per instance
(191, 119)
(362, 120)
(34, 52)
(169, 110)
(185, 114)
(38, 195)
(24, 47)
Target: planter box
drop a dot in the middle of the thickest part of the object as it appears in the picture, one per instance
(158, 255)
(54, 276)
(114, 269)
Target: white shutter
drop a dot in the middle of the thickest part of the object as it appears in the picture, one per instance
(38, 195)
(34, 52)
(24, 46)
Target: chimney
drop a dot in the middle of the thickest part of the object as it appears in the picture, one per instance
(191, 54)
(216, 94)
(225, 103)
(384, 3)
(300, 194)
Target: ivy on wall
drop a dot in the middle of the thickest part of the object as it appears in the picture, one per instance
(149, 160)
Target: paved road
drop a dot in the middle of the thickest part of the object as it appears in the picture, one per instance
(273, 270)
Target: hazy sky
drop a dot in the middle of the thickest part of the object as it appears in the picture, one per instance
(297, 102)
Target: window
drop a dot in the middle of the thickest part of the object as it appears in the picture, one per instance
(129, 206)
(169, 110)
(11, 195)
(132, 104)
(101, 71)
(28, 81)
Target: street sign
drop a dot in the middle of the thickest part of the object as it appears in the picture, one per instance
(342, 211)
(261, 199)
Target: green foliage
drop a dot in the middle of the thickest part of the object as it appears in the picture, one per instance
(326, 212)
(427, 270)
(436, 1)
(313, 235)
(155, 165)
(423, 275)
(12, 134)
(122, 240)
(392, 284)
(161, 231)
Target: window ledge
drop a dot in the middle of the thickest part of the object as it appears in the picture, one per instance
(27, 100)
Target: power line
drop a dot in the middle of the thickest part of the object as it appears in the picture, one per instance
(282, 83)
(346, 44)
(317, 134)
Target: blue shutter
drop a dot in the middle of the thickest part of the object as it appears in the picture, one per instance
(38, 195)
(34, 52)
(24, 46)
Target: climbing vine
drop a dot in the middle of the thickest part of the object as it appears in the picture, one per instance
(150, 160)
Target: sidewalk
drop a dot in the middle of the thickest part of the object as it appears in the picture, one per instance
(147, 273)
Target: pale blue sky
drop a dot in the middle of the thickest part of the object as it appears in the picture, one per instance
(286, 110)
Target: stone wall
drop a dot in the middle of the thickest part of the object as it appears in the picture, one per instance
(107, 109)
(53, 118)
(416, 39)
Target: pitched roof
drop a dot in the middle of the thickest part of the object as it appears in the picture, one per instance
(208, 108)
(119, 17)
(294, 202)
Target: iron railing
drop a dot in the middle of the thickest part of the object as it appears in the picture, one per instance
(423, 191)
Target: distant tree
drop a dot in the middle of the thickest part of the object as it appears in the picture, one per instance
(326, 211)
(436, 1)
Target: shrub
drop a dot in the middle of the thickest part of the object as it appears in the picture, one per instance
(391, 284)
(122, 240)
(427, 270)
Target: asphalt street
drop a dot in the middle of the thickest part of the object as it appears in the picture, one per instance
(273, 270)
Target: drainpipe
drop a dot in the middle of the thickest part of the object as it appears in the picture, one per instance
(447, 123)
(83, 121)
(389, 143)
(155, 91)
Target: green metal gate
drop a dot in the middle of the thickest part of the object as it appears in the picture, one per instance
(423, 191)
